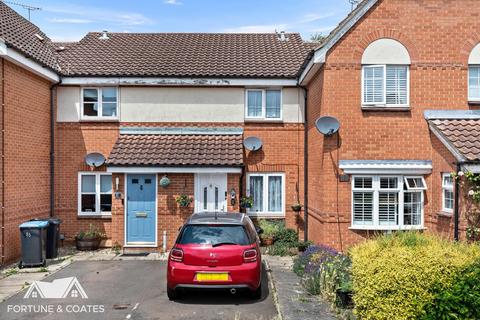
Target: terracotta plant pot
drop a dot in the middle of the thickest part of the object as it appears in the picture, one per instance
(297, 207)
(267, 241)
(87, 244)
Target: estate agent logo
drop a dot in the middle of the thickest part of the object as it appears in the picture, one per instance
(57, 289)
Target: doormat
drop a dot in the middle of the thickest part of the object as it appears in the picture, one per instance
(135, 254)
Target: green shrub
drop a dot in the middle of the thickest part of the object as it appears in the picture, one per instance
(461, 300)
(269, 227)
(288, 237)
(397, 276)
(281, 249)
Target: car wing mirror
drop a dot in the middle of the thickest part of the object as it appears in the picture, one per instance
(259, 230)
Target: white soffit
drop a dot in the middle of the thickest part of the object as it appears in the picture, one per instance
(475, 55)
(386, 51)
(413, 167)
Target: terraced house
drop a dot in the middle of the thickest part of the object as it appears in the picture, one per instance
(144, 129)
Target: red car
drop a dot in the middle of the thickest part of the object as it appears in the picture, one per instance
(216, 251)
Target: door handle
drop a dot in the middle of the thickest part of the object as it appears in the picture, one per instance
(141, 214)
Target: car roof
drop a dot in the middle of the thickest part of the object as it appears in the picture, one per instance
(217, 218)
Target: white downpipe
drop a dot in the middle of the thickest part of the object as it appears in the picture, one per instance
(164, 245)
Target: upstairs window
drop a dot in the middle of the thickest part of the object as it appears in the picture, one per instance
(385, 85)
(263, 104)
(474, 83)
(447, 193)
(387, 203)
(100, 103)
(385, 75)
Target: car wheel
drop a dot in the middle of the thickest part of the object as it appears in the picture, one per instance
(257, 294)
(172, 294)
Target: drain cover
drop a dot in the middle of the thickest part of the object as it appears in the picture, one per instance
(135, 254)
(121, 306)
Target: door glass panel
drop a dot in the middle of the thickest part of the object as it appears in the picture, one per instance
(134, 181)
(216, 198)
(205, 198)
(148, 181)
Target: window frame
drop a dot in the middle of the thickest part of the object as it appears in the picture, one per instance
(97, 193)
(263, 117)
(99, 116)
(447, 188)
(409, 188)
(375, 225)
(470, 98)
(384, 104)
(266, 213)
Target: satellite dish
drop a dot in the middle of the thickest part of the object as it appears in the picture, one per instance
(94, 159)
(327, 125)
(253, 143)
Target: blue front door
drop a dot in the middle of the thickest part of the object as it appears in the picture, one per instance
(141, 220)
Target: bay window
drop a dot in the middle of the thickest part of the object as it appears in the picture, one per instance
(263, 104)
(267, 191)
(447, 193)
(385, 85)
(99, 103)
(387, 202)
(94, 193)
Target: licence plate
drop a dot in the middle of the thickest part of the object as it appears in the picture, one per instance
(212, 276)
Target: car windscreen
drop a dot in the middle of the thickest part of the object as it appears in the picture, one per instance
(214, 234)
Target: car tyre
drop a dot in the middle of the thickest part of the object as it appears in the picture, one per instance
(172, 294)
(256, 294)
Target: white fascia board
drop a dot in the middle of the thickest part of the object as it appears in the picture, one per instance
(474, 168)
(387, 169)
(21, 60)
(148, 81)
(458, 156)
(119, 169)
(320, 54)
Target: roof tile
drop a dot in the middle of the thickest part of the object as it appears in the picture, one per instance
(463, 134)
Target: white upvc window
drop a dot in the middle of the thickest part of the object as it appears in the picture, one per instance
(268, 193)
(94, 193)
(385, 86)
(387, 203)
(474, 83)
(263, 104)
(447, 193)
(100, 103)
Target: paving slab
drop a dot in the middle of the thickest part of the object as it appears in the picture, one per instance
(293, 301)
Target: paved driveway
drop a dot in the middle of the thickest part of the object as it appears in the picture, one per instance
(134, 290)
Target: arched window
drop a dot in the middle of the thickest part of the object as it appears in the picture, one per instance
(474, 75)
(385, 75)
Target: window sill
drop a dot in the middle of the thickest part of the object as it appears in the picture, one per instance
(260, 120)
(385, 108)
(445, 214)
(94, 216)
(266, 215)
(386, 228)
(474, 102)
(99, 120)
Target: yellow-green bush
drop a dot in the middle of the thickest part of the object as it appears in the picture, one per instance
(396, 276)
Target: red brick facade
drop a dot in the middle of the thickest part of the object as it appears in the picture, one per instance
(439, 36)
(26, 109)
(282, 152)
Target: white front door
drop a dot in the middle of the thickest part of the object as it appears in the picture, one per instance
(210, 192)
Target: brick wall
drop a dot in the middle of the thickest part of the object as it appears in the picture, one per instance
(27, 152)
(439, 36)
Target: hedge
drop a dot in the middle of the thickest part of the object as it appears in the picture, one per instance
(404, 275)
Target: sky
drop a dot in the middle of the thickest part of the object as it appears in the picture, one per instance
(70, 20)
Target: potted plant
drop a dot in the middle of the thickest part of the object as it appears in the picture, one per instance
(184, 200)
(246, 202)
(297, 207)
(89, 240)
(269, 230)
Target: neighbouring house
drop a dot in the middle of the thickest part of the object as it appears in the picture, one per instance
(403, 80)
(28, 69)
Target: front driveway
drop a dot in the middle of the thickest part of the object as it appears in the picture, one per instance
(134, 290)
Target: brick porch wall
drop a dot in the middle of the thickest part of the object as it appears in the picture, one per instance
(438, 80)
(27, 152)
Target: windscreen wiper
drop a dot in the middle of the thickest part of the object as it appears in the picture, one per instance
(223, 243)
